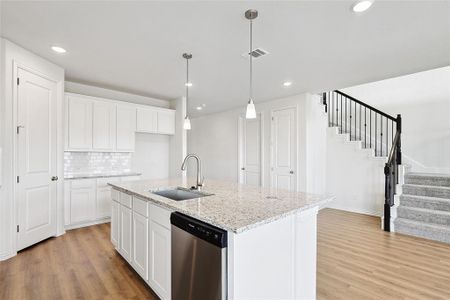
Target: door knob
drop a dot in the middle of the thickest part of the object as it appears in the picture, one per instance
(291, 172)
(243, 169)
(54, 178)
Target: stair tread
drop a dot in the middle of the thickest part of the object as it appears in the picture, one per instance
(425, 197)
(426, 210)
(436, 175)
(418, 223)
(427, 186)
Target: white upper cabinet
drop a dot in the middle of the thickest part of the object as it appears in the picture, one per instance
(166, 121)
(96, 124)
(79, 123)
(126, 127)
(155, 120)
(104, 126)
(147, 120)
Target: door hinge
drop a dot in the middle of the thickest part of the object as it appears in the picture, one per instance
(18, 179)
(18, 80)
(17, 228)
(272, 119)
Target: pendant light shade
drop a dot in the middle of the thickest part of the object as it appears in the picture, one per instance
(251, 111)
(187, 123)
(187, 84)
(251, 14)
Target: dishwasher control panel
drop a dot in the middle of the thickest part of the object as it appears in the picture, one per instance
(205, 231)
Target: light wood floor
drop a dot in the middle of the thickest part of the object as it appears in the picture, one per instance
(356, 260)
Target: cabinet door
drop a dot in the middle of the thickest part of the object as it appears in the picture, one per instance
(115, 223)
(82, 205)
(125, 233)
(104, 126)
(160, 257)
(79, 123)
(146, 120)
(166, 122)
(140, 245)
(103, 202)
(126, 127)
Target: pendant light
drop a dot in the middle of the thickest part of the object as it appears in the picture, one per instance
(251, 14)
(187, 121)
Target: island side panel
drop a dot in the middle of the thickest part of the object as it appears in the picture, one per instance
(276, 260)
(306, 254)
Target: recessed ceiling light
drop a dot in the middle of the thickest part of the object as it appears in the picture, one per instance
(58, 49)
(199, 107)
(188, 84)
(287, 83)
(361, 6)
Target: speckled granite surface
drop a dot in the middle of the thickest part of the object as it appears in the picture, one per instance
(103, 175)
(233, 206)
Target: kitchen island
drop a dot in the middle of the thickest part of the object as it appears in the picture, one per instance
(271, 248)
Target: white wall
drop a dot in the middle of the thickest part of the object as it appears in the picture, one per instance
(353, 176)
(12, 54)
(214, 138)
(151, 156)
(178, 141)
(423, 100)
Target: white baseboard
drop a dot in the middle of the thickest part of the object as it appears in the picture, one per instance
(86, 224)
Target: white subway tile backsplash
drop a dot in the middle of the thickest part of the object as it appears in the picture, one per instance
(96, 162)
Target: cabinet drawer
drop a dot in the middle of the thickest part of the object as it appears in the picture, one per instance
(115, 194)
(140, 206)
(160, 215)
(82, 183)
(126, 200)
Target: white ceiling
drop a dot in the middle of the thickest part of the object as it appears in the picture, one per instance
(319, 45)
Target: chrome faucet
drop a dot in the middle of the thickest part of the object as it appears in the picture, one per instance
(200, 179)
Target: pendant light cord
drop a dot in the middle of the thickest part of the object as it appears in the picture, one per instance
(251, 62)
(187, 87)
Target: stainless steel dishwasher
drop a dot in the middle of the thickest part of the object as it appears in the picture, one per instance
(199, 259)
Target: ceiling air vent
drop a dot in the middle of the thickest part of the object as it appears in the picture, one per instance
(256, 53)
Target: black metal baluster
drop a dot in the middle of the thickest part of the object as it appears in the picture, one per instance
(365, 127)
(392, 133)
(370, 122)
(360, 122)
(350, 121)
(345, 115)
(387, 136)
(381, 135)
(375, 134)
(355, 116)
(341, 113)
(337, 111)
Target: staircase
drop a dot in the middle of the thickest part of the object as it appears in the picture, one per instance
(374, 130)
(424, 209)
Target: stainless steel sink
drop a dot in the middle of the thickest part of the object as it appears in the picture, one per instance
(179, 193)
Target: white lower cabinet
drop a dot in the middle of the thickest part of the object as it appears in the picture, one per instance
(160, 257)
(142, 231)
(115, 223)
(140, 245)
(125, 232)
(89, 201)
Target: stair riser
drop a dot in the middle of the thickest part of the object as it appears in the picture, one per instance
(427, 233)
(435, 181)
(425, 217)
(426, 191)
(425, 203)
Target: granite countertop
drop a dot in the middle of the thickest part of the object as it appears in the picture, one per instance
(233, 206)
(101, 175)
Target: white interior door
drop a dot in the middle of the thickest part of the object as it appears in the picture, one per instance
(250, 151)
(284, 150)
(36, 158)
